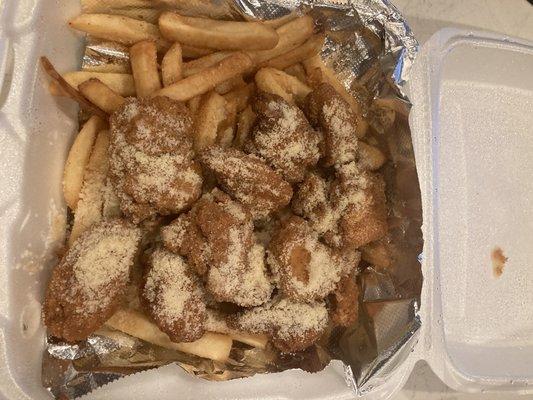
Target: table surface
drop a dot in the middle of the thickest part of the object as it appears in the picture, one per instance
(513, 18)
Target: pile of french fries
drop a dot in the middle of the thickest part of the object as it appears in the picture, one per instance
(215, 67)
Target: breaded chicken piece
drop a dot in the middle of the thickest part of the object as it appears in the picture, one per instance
(329, 112)
(361, 196)
(248, 180)
(344, 308)
(90, 281)
(349, 210)
(306, 268)
(173, 297)
(283, 137)
(291, 326)
(217, 238)
(151, 158)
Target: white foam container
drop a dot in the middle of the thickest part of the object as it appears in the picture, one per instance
(471, 125)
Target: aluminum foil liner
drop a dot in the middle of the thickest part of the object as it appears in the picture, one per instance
(369, 45)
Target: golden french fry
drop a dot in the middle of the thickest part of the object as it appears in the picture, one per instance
(195, 66)
(208, 79)
(226, 129)
(244, 126)
(143, 58)
(307, 50)
(77, 160)
(95, 6)
(241, 95)
(101, 95)
(216, 34)
(298, 71)
(111, 67)
(370, 156)
(118, 28)
(210, 114)
(216, 322)
(69, 90)
(278, 82)
(212, 345)
(229, 85)
(171, 66)
(291, 35)
(121, 83)
(276, 23)
(211, 9)
(193, 104)
(137, 9)
(194, 52)
(89, 208)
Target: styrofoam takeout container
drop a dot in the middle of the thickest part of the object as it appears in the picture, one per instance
(472, 125)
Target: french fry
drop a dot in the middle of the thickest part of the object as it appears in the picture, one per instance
(208, 79)
(213, 346)
(194, 52)
(298, 71)
(215, 34)
(123, 84)
(93, 6)
(118, 28)
(77, 160)
(245, 123)
(229, 85)
(193, 104)
(291, 35)
(226, 130)
(210, 114)
(195, 66)
(241, 95)
(276, 23)
(171, 66)
(307, 50)
(143, 58)
(101, 95)
(211, 9)
(89, 208)
(117, 68)
(278, 82)
(70, 91)
(216, 322)
(370, 156)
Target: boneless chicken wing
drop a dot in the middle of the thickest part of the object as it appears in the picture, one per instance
(88, 284)
(173, 296)
(329, 112)
(306, 268)
(292, 326)
(348, 210)
(217, 237)
(248, 179)
(283, 137)
(151, 158)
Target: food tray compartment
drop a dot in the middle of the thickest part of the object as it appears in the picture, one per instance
(473, 96)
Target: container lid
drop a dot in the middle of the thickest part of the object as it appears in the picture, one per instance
(472, 127)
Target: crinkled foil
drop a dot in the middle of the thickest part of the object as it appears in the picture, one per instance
(368, 44)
